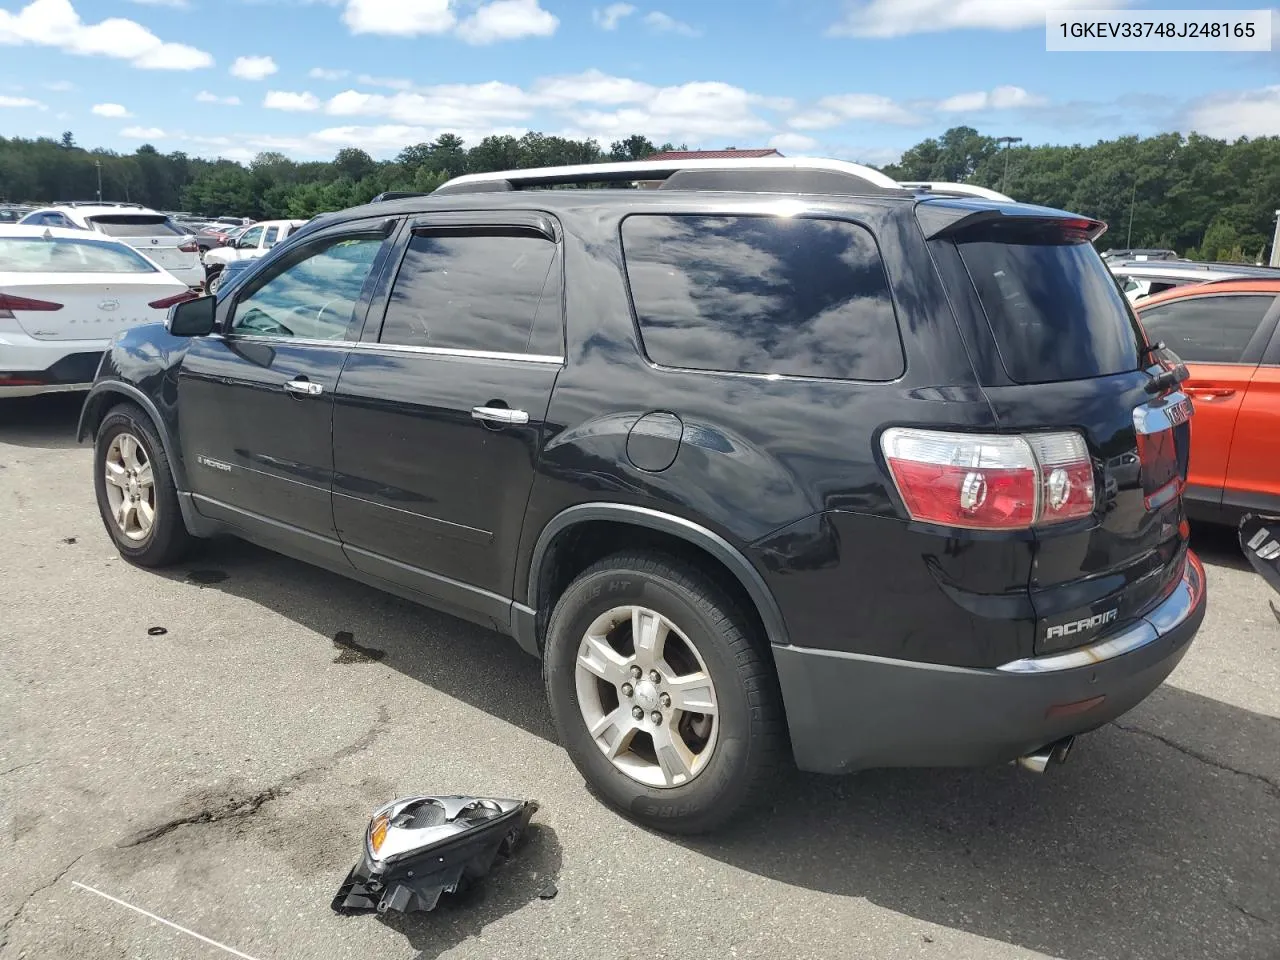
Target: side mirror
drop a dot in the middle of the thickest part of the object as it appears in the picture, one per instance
(192, 318)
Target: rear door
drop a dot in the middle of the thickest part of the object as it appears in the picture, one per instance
(1056, 348)
(440, 409)
(1220, 336)
(1253, 472)
(255, 400)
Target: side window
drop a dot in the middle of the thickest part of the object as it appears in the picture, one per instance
(250, 238)
(762, 295)
(273, 234)
(1207, 329)
(312, 295)
(472, 290)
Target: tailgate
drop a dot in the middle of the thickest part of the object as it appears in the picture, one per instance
(1056, 347)
(91, 306)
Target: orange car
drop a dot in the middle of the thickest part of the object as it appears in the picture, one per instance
(1226, 333)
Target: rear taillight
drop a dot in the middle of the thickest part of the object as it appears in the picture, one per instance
(990, 482)
(10, 303)
(190, 247)
(177, 298)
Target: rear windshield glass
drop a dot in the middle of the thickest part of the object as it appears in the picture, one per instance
(61, 255)
(136, 225)
(1054, 308)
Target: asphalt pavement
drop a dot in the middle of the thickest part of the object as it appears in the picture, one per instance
(201, 792)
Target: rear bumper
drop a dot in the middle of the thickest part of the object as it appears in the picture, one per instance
(29, 367)
(848, 711)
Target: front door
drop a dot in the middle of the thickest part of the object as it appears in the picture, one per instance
(255, 400)
(1216, 336)
(440, 410)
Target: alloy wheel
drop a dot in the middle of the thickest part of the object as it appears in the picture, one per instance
(647, 697)
(131, 491)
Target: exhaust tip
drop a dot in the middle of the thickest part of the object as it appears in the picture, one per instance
(1055, 753)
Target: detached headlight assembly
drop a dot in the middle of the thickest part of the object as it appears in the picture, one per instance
(417, 848)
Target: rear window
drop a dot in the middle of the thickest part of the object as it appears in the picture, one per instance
(136, 225)
(767, 295)
(61, 255)
(1054, 309)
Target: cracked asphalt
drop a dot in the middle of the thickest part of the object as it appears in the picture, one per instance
(219, 776)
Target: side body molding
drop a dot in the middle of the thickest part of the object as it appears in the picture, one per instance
(523, 617)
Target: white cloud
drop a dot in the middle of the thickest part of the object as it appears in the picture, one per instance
(793, 143)
(507, 20)
(392, 83)
(253, 68)
(693, 112)
(320, 73)
(110, 110)
(204, 96)
(612, 15)
(898, 18)
(55, 23)
(840, 108)
(593, 86)
(1229, 116)
(284, 100)
(6, 101)
(444, 106)
(143, 133)
(405, 18)
(1001, 98)
(665, 23)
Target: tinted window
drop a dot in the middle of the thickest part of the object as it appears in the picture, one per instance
(1207, 329)
(468, 291)
(762, 295)
(1054, 309)
(37, 255)
(313, 296)
(136, 225)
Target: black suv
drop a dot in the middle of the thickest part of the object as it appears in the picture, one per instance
(777, 458)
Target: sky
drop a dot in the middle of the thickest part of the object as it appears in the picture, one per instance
(856, 79)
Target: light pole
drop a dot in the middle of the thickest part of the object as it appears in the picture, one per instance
(1008, 142)
(1133, 199)
(1275, 243)
(98, 164)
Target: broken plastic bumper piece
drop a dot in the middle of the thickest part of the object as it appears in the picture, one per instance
(417, 848)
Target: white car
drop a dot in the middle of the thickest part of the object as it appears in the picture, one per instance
(64, 293)
(157, 237)
(253, 243)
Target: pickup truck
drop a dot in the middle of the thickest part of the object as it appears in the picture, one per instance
(251, 244)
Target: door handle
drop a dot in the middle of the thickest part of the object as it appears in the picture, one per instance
(1205, 393)
(302, 387)
(502, 415)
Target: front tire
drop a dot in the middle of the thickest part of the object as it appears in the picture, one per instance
(662, 692)
(136, 494)
(213, 281)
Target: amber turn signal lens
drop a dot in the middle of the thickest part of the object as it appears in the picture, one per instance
(378, 832)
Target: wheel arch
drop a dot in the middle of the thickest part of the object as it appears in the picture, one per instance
(560, 529)
(106, 394)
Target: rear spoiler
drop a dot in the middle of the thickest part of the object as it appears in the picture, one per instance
(949, 218)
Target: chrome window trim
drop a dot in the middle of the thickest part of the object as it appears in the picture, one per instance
(369, 345)
(1169, 614)
(267, 338)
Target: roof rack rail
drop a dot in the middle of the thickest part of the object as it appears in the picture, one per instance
(395, 195)
(766, 173)
(956, 189)
(94, 203)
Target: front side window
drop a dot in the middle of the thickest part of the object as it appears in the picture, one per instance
(1207, 329)
(61, 255)
(767, 295)
(469, 291)
(313, 295)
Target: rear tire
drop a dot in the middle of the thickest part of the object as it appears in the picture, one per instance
(139, 506)
(678, 770)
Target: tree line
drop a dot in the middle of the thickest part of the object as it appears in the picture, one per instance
(1208, 199)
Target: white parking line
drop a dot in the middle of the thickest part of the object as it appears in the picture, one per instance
(167, 923)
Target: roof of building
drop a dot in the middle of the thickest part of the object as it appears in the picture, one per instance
(731, 154)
